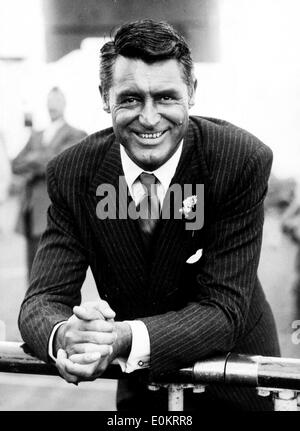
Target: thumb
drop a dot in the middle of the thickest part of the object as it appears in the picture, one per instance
(61, 354)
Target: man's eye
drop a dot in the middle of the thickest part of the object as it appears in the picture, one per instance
(129, 100)
(166, 99)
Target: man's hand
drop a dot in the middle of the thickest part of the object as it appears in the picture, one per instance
(87, 366)
(88, 336)
(90, 324)
(103, 342)
(66, 366)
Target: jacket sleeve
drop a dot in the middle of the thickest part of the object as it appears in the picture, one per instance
(57, 275)
(226, 278)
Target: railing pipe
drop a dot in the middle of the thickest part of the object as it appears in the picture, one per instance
(17, 358)
(247, 370)
(232, 369)
(279, 376)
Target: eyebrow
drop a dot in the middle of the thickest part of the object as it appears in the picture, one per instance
(170, 91)
(128, 92)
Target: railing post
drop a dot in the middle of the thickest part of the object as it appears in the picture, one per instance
(175, 398)
(176, 393)
(285, 400)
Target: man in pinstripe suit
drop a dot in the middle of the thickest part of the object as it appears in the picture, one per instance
(159, 312)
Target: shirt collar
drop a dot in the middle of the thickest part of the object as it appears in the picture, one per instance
(164, 173)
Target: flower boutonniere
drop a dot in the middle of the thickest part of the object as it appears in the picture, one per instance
(188, 205)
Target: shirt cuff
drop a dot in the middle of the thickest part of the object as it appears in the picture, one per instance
(50, 344)
(139, 356)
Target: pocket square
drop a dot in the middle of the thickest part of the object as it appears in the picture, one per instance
(195, 257)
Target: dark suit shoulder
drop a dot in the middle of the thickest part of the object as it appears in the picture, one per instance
(220, 137)
(231, 154)
(76, 165)
(226, 146)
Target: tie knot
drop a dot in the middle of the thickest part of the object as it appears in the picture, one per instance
(148, 180)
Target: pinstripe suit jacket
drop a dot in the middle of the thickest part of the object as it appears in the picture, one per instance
(191, 311)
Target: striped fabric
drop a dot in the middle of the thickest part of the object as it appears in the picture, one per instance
(191, 311)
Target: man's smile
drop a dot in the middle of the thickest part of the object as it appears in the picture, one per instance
(150, 135)
(154, 136)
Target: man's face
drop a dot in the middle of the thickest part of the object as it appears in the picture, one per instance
(149, 105)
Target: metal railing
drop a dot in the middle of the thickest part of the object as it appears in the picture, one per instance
(279, 377)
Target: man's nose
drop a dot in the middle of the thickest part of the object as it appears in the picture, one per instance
(149, 116)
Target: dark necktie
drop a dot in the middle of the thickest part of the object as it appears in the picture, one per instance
(149, 207)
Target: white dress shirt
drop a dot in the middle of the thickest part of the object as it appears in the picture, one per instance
(164, 174)
(140, 346)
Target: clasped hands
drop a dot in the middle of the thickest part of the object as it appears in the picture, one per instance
(89, 341)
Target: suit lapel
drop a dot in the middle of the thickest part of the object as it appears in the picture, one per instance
(120, 238)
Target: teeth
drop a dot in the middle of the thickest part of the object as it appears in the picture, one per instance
(150, 135)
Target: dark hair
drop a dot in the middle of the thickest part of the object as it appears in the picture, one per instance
(149, 41)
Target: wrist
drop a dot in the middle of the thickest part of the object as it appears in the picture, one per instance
(58, 340)
(122, 345)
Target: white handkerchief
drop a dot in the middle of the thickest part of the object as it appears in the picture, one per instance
(195, 257)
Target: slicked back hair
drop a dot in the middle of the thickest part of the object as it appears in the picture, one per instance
(147, 40)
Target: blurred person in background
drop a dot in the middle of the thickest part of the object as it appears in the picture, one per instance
(178, 295)
(291, 227)
(31, 164)
(291, 221)
(5, 175)
(281, 194)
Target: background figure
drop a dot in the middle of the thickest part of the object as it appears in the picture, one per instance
(5, 173)
(281, 194)
(291, 222)
(31, 163)
(291, 227)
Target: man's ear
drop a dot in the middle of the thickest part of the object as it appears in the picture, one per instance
(104, 98)
(192, 93)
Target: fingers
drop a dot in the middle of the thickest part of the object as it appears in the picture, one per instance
(96, 325)
(85, 358)
(104, 308)
(86, 314)
(75, 323)
(79, 367)
(74, 337)
(85, 371)
(61, 364)
(103, 349)
(82, 336)
(94, 310)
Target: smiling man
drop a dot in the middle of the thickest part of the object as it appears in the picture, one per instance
(149, 104)
(169, 296)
